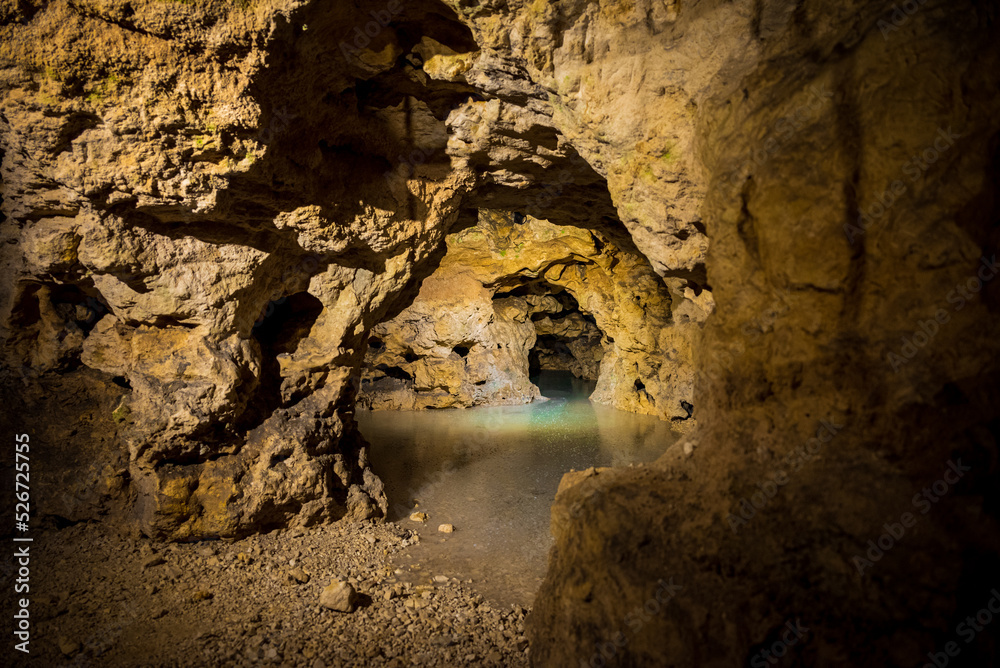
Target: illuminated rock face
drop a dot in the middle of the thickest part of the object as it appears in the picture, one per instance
(198, 256)
(222, 240)
(453, 347)
(843, 211)
(467, 338)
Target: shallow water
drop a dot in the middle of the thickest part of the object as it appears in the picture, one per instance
(493, 473)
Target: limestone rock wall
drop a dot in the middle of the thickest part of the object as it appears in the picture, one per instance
(455, 346)
(213, 203)
(469, 324)
(177, 176)
(845, 162)
(208, 207)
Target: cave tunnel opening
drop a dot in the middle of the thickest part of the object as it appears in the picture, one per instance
(507, 329)
(489, 472)
(567, 352)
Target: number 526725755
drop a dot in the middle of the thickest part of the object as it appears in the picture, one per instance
(22, 492)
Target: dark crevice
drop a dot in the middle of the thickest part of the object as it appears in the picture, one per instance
(746, 225)
(849, 131)
(163, 321)
(755, 20)
(394, 372)
(287, 322)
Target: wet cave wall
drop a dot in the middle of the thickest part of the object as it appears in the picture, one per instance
(783, 213)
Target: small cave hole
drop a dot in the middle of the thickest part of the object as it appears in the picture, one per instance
(952, 395)
(639, 385)
(463, 351)
(410, 357)
(394, 372)
(122, 381)
(74, 306)
(287, 321)
(375, 343)
(284, 323)
(689, 408)
(26, 311)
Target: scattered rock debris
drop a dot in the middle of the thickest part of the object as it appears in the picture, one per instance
(100, 603)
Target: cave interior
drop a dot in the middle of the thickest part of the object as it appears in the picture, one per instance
(501, 333)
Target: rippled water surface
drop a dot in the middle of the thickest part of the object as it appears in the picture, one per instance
(493, 473)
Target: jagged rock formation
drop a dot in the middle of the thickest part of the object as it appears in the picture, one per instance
(466, 339)
(847, 157)
(170, 209)
(222, 237)
(210, 205)
(454, 346)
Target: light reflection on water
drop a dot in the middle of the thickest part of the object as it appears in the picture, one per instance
(493, 472)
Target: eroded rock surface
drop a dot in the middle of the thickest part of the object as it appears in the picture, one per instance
(454, 346)
(803, 116)
(467, 338)
(168, 216)
(222, 236)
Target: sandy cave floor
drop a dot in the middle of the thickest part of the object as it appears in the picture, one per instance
(100, 599)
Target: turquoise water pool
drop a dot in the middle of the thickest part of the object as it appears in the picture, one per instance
(493, 472)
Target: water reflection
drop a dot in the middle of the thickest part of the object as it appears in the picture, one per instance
(493, 472)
